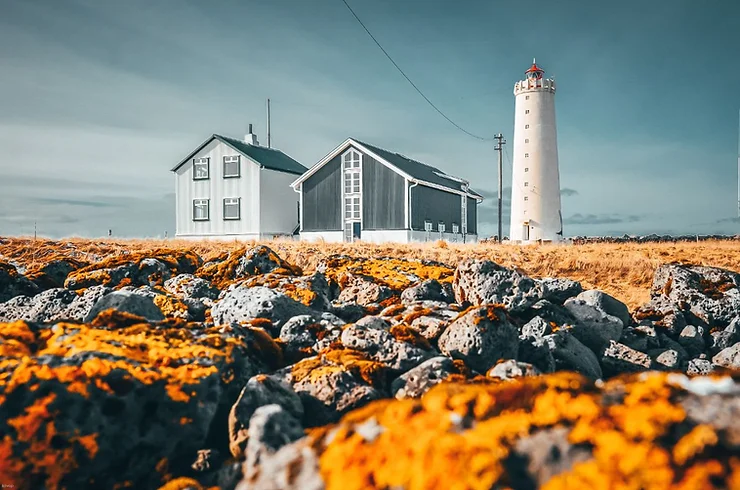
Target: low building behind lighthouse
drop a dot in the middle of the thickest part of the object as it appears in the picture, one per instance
(535, 189)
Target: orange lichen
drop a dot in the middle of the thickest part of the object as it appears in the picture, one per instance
(397, 274)
(694, 443)
(171, 306)
(417, 313)
(332, 360)
(403, 333)
(221, 270)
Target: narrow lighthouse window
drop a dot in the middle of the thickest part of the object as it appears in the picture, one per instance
(526, 111)
(526, 126)
(526, 155)
(526, 184)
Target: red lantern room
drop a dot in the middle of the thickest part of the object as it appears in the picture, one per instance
(535, 72)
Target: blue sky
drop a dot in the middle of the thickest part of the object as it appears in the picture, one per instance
(99, 99)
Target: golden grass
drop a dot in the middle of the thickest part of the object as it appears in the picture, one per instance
(624, 270)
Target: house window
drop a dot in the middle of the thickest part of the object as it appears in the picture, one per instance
(351, 160)
(200, 210)
(526, 169)
(352, 182)
(200, 168)
(526, 184)
(232, 208)
(526, 140)
(231, 166)
(441, 227)
(526, 97)
(526, 155)
(427, 225)
(526, 126)
(526, 198)
(526, 111)
(352, 208)
(455, 228)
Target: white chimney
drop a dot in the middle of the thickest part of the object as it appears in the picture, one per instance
(251, 138)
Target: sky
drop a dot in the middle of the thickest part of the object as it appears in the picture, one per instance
(100, 98)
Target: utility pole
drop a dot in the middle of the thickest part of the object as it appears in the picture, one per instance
(500, 142)
(738, 165)
(268, 124)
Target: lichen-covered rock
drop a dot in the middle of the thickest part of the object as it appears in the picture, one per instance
(270, 428)
(618, 359)
(375, 337)
(313, 291)
(13, 284)
(307, 335)
(594, 327)
(52, 274)
(260, 390)
(480, 337)
(429, 290)
(558, 290)
(606, 303)
(555, 315)
(151, 269)
(349, 312)
(126, 302)
(98, 407)
(511, 369)
(335, 382)
(417, 381)
(728, 358)
(363, 290)
(484, 282)
(188, 286)
(228, 267)
(710, 293)
(292, 467)
(51, 305)
(569, 354)
(243, 304)
(428, 318)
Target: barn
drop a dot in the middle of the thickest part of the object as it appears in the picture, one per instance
(236, 189)
(362, 192)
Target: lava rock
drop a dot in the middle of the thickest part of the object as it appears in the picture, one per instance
(243, 304)
(484, 282)
(293, 467)
(512, 369)
(417, 381)
(126, 302)
(270, 428)
(306, 335)
(594, 327)
(13, 284)
(607, 304)
(728, 358)
(429, 290)
(692, 339)
(363, 290)
(619, 359)
(570, 354)
(558, 290)
(190, 286)
(699, 367)
(480, 337)
(536, 328)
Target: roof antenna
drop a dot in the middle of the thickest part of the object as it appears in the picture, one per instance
(268, 124)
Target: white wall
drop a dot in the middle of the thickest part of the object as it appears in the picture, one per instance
(388, 236)
(542, 208)
(327, 236)
(279, 203)
(216, 188)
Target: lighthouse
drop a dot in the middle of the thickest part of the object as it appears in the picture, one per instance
(535, 189)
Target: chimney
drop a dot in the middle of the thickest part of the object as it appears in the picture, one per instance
(251, 138)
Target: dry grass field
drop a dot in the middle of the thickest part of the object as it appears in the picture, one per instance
(623, 270)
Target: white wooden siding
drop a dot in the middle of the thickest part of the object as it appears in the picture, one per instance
(279, 203)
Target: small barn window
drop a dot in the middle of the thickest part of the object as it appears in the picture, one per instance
(200, 210)
(232, 208)
(526, 140)
(526, 111)
(441, 226)
(526, 97)
(526, 198)
(526, 169)
(526, 126)
(427, 225)
(455, 228)
(352, 208)
(231, 166)
(526, 184)
(352, 183)
(200, 168)
(526, 155)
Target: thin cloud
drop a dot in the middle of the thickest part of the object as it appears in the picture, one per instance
(600, 219)
(567, 192)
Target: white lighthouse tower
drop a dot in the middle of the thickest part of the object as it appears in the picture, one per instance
(535, 189)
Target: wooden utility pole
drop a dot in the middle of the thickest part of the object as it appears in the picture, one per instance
(500, 142)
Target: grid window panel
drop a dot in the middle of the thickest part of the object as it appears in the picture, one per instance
(351, 160)
(200, 210)
(200, 168)
(232, 208)
(232, 166)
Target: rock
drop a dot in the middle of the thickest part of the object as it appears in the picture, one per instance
(243, 304)
(51, 305)
(262, 260)
(594, 327)
(293, 467)
(710, 293)
(558, 290)
(349, 312)
(661, 313)
(335, 382)
(13, 284)
(669, 359)
(511, 369)
(417, 381)
(536, 328)
(313, 291)
(484, 282)
(270, 428)
(692, 339)
(52, 274)
(537, 353)
(430, 290)
(607, 304)
(570, 354)
(306, 335)
(726, 337)
(428, 318)
(699, 367)
(619, 359)
(550, 312)
(480, 337)
(363, 290)
(546, 453)
(81, 306)
(728, 358)
(189, 286)
(260, 390)
(640, 338)
(207, 460)
(126, 302)
(373, 336)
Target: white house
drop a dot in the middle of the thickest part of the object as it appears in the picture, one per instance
(232, 189)
(362, 192)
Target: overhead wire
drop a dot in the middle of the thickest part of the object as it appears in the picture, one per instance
(409, 80)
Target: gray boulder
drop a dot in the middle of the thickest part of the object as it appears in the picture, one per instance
(363, 290)
(728, 358)
(270, 428)
(190, 286)
(126, 302)
(417, 381)
(691, 338)
(661, 313)
(49, 306)
(13, 284)
(484, 282)
(536, 351)
(512, 369)
(260, 390)
(727, 337)
(243, 304)
(619, 359)
(570, 354)
(480, 337)
(594, 327)
(293, 467)
(536, 328)
(607, 304)
(699, 367)
(430, 290)
(558, 290)
(668, 359)
(309, 334)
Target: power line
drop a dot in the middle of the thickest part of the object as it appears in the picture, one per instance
(412, 83)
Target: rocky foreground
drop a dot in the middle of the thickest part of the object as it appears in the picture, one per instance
(159, 370)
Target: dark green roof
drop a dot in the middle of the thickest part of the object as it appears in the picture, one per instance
(417, 169)
(265, 157)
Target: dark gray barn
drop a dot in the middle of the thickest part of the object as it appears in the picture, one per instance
(362, 192)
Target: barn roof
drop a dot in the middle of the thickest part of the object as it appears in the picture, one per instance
(265, 157)
(411, 169)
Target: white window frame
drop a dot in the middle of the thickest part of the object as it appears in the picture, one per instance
(428, 226)
(351, 162)
(441, 226)
(198, 203)
(232, 159)
(201, 161)
(464, 214)
(231, 201)
(455, 228)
